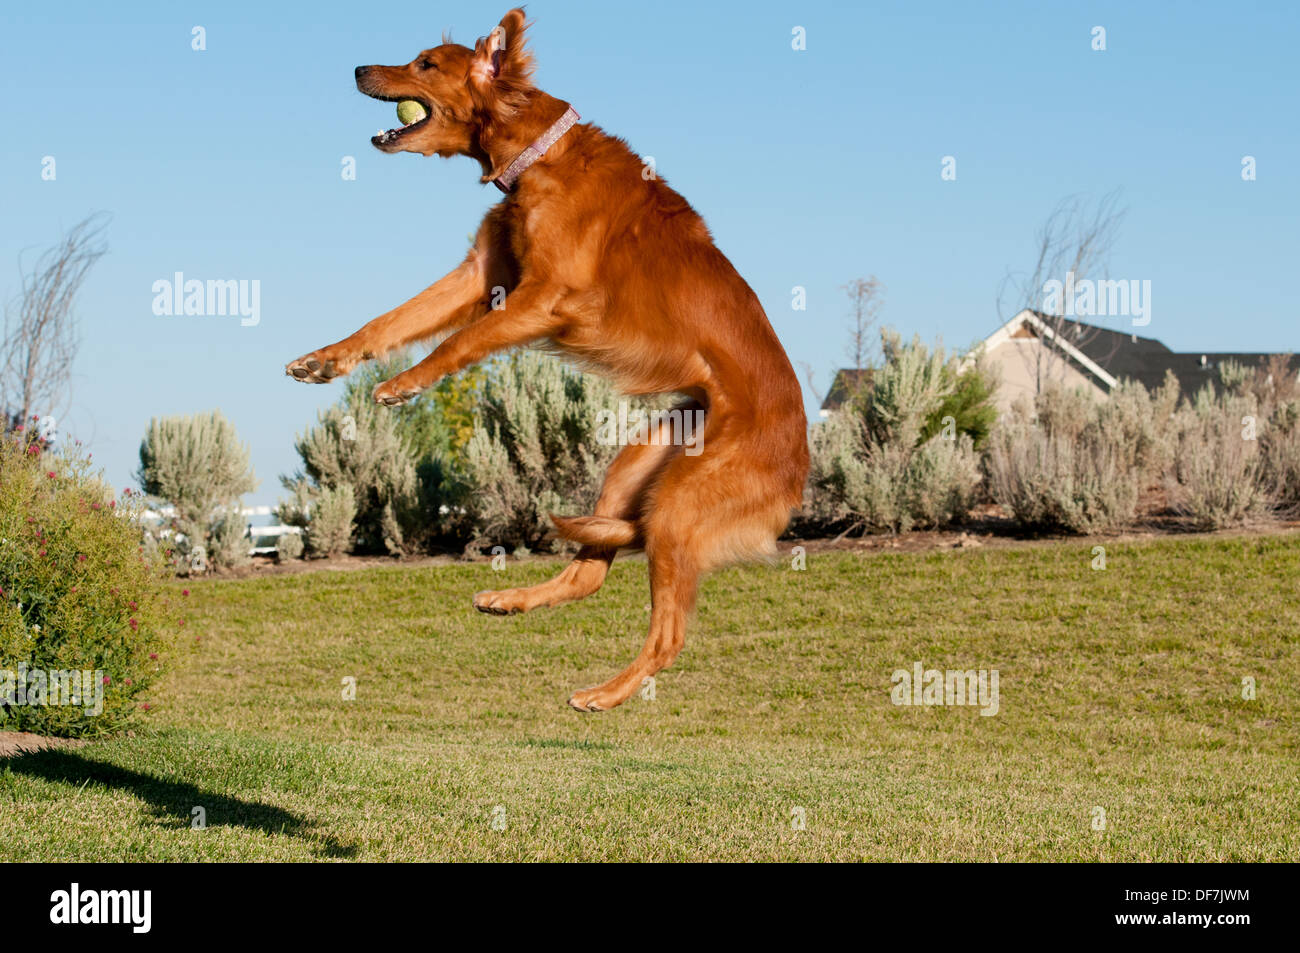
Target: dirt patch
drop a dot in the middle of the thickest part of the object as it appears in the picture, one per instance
(24, 742)
(987, 525)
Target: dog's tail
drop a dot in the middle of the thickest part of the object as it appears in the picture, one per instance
(600, 531)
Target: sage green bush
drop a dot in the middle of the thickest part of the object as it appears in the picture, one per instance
(288, 547)
(901, 452)
(1220, 477)
(354, 445)
(534, 450)
(198, 465)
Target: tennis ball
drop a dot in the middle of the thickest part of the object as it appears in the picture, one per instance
(409, 111)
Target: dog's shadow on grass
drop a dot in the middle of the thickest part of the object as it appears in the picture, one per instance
(173, 800)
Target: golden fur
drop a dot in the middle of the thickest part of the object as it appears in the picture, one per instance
(615, 270)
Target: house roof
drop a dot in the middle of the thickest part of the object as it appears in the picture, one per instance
(847, 380)
(1107, 355)
(1145, 359)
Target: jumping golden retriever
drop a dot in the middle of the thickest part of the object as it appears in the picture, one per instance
(601, 261)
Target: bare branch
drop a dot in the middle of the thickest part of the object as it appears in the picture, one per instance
(41, 332)
(1076, 238)
(867, 297)
(810, 377)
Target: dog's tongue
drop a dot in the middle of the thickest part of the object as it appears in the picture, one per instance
(410, 111)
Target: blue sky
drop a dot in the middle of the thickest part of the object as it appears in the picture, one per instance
(812, 167)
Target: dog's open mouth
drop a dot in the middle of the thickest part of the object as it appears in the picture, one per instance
(413, 112)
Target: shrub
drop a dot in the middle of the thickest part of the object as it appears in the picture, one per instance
(534, 449)
(288, 546)
(1050, 480)
(1219, 474)
(354, 445)
(1073, 463)
(76, 593)
(1280, 446)
(970, 405)
(228, 540)
(887, 460)
(402, 462)
(331, 522)
(434, 424)
(1137, 427)
(198, 465)
(1275, 388)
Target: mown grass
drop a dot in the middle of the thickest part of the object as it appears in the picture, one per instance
(1120, 689)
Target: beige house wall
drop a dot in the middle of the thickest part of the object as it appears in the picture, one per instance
(1017, 361)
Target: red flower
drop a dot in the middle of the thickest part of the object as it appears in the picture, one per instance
(107, 680)
(145, 706)
(185, 592)
(133, 624)
(81, 557)
(126, 681)
(132, 606)
(41, 553)
(154, 656)
(50, 474)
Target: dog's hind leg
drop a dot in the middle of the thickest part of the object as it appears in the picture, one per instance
(632, 471)
(726, 506)
(579, 579)
(674, 579)
(622, 497)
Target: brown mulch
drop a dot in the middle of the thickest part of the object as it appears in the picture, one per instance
(24, 742)
(987, 525)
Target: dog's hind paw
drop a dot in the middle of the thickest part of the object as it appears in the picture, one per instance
(587, 700)
(497, 602)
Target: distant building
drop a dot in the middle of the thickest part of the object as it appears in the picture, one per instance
(1082, 355)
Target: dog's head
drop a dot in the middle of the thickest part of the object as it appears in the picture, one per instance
(459, 88)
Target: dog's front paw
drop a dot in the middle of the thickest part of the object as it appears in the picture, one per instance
(391, 393)
(318, 367)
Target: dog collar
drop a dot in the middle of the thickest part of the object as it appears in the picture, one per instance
(506, 180)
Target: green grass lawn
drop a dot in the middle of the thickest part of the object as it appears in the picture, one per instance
(1119, 689)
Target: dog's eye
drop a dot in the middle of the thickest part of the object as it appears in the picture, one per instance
(428, 64)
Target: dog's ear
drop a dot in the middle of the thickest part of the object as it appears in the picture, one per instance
(502, 63)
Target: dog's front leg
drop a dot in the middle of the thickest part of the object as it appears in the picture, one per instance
(527, 315)
(449, 303)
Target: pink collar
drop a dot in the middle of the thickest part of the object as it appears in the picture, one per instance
(506, 180)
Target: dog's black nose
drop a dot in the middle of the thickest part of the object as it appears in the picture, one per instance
(361, 71)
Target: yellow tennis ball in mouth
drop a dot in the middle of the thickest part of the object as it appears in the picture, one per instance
(409, 111)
